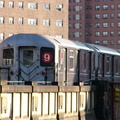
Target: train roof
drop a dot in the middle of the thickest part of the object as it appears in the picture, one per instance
(26, 39)
(71, 43)
(37, 39)
(102, 49)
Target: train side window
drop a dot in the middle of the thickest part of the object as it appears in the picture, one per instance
(28, 57)
(100, 63)
(61, 59)
(93, 63)
(71, 57)
(108, 62)
(84, 61)
(8, 56)
(117, 64)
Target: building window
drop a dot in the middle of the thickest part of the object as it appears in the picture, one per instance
(77, 17)
(118, 33)
(70, 26)
(118, 24)
(77, 8)
(59, 23)
(77, 34)
(46, 22)
(112, 24)
(105, 25)
(77, 25)
(118, 15)
(59, 36)
(105, 42)
(97, 25)
(87, 7)
(1, 4)
(97, 42)
(70, 8)
(32, 21)
(1, 20)
(105, 34)
(46, 6)
(112, 42)
(11, 4)
(97, 34)
(112, 7)
(97, 7)
(32, 6)
(119, 6)
(11, 20)
(105, 7)
(105, 16)
(78, 0)
(70, 17)
(11, 34)
(20, 5)
(112, 15)
(111, 33)
(20, 21)
(87, 24)
(118, 42)
(1, 36)
(59, 7)
(97, 16)
(90, 15)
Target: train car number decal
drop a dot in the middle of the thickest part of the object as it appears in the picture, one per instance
(47, 57)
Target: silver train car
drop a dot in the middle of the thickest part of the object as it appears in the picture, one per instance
(32, 57)
(49, 60)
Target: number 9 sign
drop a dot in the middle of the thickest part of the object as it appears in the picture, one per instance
(47, 57)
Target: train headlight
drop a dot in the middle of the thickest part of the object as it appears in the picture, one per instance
(11, 73)
(43, 73)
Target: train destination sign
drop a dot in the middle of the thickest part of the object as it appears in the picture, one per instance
(47, 56)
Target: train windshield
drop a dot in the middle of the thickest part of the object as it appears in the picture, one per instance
(8, 56)
(28, 57)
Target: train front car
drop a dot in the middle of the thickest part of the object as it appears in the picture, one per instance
(26, 58)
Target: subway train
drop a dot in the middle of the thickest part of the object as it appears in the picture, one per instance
(50, 60)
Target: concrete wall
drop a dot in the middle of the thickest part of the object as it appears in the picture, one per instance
(34, 102)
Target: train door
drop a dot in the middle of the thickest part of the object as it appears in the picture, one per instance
(27, 63)
(72, 66)
(62, 71)
(100, 72)
(84, 65)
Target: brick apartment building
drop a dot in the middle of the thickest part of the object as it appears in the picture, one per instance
(48, 17)
(93, 21)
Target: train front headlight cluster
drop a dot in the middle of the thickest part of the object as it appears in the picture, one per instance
(116, 95)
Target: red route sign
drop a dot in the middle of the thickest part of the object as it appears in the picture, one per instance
(47, 57)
